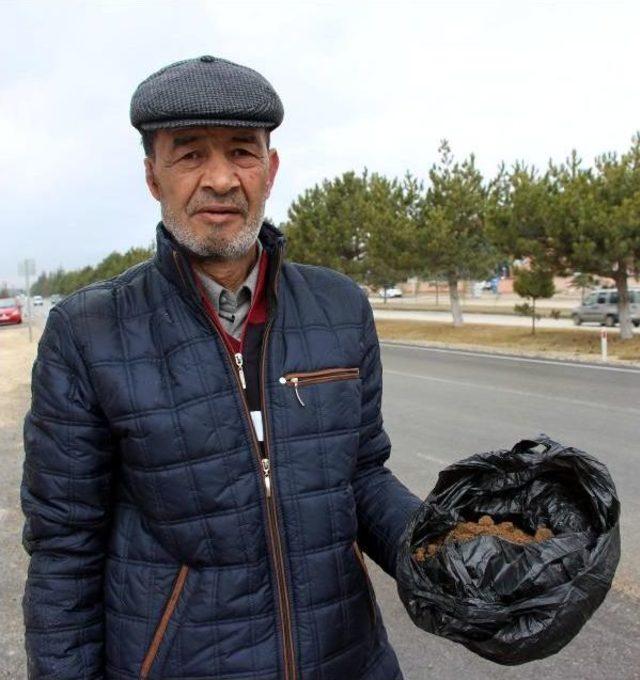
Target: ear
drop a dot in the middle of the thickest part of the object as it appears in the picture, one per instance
(274, 164)
(150, 177)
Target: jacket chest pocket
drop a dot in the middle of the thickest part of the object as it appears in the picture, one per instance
(320, 412)
(299, 380)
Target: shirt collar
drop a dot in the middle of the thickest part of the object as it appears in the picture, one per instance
(244, 294)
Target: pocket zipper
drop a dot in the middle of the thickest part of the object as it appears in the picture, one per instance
(296, 380)
(161, 629)
(372, 599)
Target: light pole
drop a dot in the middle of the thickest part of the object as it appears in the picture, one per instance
(27, 268)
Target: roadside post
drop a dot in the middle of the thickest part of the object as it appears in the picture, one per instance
(603, 344)
(27, 268)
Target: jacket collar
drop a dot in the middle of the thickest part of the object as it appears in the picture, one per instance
(173, 261)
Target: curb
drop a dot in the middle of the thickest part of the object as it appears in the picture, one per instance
(483, 350)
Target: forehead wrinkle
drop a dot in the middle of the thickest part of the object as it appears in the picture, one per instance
(222, 132)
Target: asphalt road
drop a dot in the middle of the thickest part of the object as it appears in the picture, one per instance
(441, 406)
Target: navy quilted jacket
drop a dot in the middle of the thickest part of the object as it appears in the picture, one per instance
(156, 551)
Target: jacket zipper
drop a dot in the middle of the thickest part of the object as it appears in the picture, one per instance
(273, 532)
(296, 380)
(161, 629)
(285, 607)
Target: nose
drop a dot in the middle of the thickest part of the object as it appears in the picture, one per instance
(219, 174)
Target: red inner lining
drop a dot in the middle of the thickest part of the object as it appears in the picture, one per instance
(257, 312)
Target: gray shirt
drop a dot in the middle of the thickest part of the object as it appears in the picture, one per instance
(232, 308)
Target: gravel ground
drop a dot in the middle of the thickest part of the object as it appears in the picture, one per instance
(16, 358)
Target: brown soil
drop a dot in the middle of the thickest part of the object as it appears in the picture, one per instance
(485, 526)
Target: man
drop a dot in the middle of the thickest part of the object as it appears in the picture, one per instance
(205, 450)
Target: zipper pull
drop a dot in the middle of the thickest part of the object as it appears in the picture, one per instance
(295, 385)
(239, 364)
(267, 479)
(294, 382)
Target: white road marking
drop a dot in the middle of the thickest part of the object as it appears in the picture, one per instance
(522, 393)
(433, 459)
(508, 357)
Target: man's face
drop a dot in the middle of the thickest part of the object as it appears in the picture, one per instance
(212, 184)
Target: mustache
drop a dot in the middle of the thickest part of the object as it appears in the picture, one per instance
(203, 200)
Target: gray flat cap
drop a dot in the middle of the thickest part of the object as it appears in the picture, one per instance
(205, 91)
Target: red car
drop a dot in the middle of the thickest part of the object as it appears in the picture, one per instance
(10, 311)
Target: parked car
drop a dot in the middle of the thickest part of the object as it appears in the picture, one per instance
(55, 298)
(37, 301)
(10, 311)
(390, 293)
(601, 306)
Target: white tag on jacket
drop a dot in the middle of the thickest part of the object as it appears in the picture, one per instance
(256, 417)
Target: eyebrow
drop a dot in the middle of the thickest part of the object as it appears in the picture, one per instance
(183, 141)
(249, 137)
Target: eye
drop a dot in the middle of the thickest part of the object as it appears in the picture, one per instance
(191, 156)
(241, 152)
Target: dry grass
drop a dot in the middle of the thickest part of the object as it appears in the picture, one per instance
(16, 358)
(570, 343)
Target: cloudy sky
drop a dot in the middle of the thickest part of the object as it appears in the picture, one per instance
(373, 84)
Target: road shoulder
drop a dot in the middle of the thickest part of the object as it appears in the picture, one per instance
(560, 357)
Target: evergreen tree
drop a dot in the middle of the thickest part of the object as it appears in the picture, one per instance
(574, 218)
(326, 225)
(596, 221)
(66, 282)
(390, 253)
(534, 284)
(358, 225)
(453, 239)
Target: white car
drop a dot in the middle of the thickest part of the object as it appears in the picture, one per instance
(601, 306)
(390, 293)
(37, 300)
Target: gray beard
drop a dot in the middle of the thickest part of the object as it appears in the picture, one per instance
(208, 247)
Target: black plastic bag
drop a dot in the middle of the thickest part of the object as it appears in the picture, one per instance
(508, 602)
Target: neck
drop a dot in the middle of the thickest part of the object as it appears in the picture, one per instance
(230, 274)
